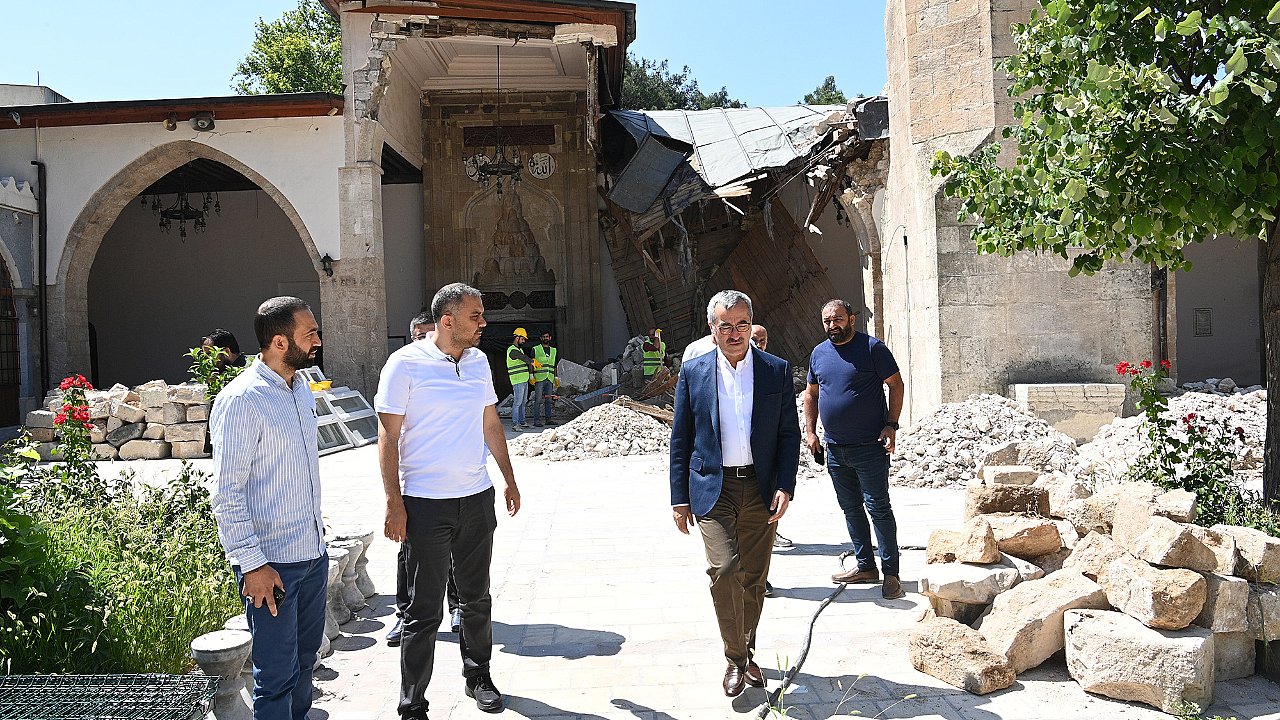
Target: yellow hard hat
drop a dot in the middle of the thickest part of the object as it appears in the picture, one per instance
(521, 333)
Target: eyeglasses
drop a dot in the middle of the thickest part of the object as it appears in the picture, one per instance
(726, 328)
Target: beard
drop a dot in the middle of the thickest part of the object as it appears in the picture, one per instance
(297, 358)
(464, 340)
(840, 334)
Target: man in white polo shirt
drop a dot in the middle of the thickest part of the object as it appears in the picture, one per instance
(437, 424)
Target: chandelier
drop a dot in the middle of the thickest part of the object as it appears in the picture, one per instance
(181, 211)
(503, 163)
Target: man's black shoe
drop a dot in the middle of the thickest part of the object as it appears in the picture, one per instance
(768, 589)
(396, 632)
(455, 620)
(481, 689)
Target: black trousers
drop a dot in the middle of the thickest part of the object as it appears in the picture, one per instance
(402, 586)
(437, 532)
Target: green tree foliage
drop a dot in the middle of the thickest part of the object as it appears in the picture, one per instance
(650, 85)
(1140, 128)
(826, 94)
(299, 52)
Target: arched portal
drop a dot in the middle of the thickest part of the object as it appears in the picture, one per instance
(151, 295)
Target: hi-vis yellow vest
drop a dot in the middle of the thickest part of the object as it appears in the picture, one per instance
(653, 359)
(548, 360)
(517, 369)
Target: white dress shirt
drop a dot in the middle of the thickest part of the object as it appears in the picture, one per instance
(735, 388)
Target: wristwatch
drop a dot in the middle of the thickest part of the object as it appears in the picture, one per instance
(893, 425)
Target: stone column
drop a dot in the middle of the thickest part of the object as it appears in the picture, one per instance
(354, 299)
(222, 654)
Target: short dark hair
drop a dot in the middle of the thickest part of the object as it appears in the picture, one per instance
(424, 317)
(848, 309)
(223, 338)
(277, 317)
(449, 299)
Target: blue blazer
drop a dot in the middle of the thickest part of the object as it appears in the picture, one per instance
(696, 473)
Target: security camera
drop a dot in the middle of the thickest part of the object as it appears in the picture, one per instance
(202, 122)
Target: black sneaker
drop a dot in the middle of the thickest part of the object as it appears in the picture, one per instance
(396, 633)
(487, 697)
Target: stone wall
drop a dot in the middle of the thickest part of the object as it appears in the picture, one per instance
(153, 421)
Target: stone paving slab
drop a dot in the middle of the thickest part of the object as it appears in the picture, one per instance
(601, 611)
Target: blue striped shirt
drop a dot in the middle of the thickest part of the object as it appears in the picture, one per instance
(267, 469)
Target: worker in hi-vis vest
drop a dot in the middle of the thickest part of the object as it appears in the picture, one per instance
(520, 368)
(655, 352)
(545, 381)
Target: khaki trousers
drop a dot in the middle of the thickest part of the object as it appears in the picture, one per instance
(738, 538)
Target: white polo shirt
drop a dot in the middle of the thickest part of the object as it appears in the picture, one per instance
(442, 450)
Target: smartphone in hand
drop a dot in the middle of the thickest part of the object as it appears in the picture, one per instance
(278, 594)
(820, 456)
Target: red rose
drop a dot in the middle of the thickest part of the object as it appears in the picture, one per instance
(1165, 365)
(1122, 368)
(65, 384)
(1145, 364)
(59, 418)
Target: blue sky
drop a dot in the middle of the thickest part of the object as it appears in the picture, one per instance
(765, 52)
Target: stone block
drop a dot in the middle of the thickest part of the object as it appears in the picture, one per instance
(1010, 474)
(958, 655)
(1264, 612)
(98, 431)
(1027, 570)
(985, 498)
(129, 413)
(185, 432)
(1132, 514)
(113, 424)
(153, 394)
(1023, 535)
(1054, 561)
(1070, 536)
(577, 378)
(1062, 490)
(167, 414)
(1025, 623)
(1172, 544)
(154, 431)
(99, 407)
(1177, 505)
(961, 612)
(1086, 517)
(198, 413)
(125, 433)
(962, 582)
(1226, 604)
(188, 393)
(42, 435)
(40, 419)
(103, 451)
(1097, 511)
(1163, 599)
(1093, 554)
(144, 450)
(1222, 545)
(975, 544)
(1234, 655)
(1259, 559)
(1043, 455)
(187, 450)
(49, 452)
(1112, 654)
(1077, 410)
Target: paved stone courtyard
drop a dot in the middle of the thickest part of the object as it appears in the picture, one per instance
(601, 611)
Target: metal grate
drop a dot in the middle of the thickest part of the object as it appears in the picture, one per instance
(106, 697)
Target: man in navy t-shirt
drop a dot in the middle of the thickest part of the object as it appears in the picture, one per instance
(847, 375)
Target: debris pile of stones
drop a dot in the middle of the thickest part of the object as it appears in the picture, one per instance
(1216, 386)
(1148, 606)
(603, 431)
(152, 421)
(944, 448)
(1118, 445)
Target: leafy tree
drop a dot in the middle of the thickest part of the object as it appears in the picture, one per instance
(826, 94)
(650, 85)
(299, 52)
(1140, 128)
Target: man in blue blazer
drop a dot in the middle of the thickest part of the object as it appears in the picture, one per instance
(735, 447)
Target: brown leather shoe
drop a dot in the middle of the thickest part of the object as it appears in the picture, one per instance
(856, 576)
(891, 589)
(734, 680)
(755, 678)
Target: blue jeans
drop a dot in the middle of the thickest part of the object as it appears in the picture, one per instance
(519, 401)
(860, 474)
(542, 402)
(285, 646)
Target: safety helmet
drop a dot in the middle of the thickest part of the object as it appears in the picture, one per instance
(521, 333)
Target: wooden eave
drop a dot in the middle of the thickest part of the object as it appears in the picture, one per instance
(599, 12)
(116, 112)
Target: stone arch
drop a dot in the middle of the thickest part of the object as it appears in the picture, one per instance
(13, 268)
(69, 308)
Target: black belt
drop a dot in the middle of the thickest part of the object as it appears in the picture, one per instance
(739, 471)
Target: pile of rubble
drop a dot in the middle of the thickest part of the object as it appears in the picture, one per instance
(945, 447)
(150, 422)
(1216, 386)
(603, 431)
(1148, 606)
(1118, 445)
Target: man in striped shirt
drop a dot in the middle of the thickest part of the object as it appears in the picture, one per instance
(267, 505)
